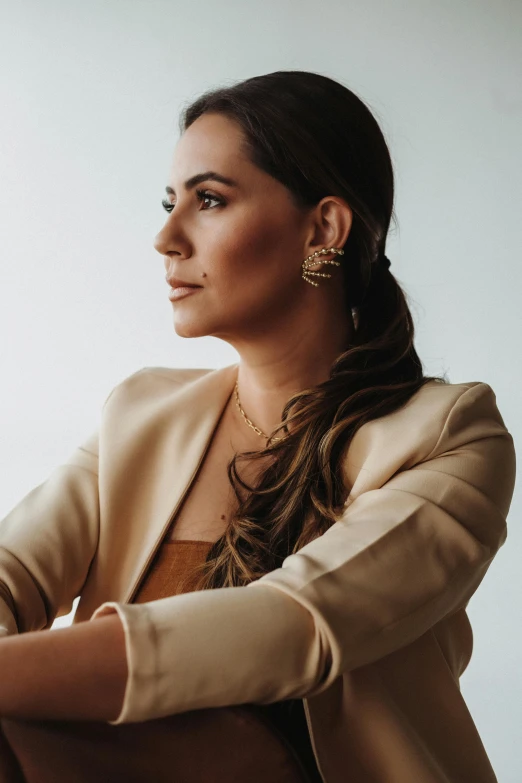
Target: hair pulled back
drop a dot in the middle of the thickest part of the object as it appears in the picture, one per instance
(317, 138)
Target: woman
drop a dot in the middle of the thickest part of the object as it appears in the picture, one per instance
(346, 505)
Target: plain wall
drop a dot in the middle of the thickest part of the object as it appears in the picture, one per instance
(90, 96)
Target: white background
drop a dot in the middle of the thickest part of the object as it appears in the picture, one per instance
(90, 96)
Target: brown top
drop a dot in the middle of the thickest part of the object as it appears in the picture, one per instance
(172, 564)
(169, 574)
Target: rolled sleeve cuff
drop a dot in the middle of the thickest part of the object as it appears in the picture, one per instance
(216, 648)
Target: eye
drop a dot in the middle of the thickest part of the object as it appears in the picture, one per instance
(203, 195)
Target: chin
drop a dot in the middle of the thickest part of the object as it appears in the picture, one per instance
(190, 329)
(184, 332)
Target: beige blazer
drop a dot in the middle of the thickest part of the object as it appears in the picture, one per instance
(367, 623)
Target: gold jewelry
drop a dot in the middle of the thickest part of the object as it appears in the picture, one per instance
(308, 262)
(250, 423)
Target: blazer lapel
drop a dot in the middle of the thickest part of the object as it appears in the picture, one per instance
(190, 418)
(148, 473)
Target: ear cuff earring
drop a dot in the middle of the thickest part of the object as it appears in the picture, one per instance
(311, 261)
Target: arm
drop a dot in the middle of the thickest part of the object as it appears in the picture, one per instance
(76, 673)
(403, 556)
(48, 542)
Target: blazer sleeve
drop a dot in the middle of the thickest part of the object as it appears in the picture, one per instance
(49, 539)
(401, 558)
(47, 543)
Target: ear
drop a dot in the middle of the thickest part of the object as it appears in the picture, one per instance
(330, 224)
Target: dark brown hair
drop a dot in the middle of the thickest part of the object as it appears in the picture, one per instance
(318, 138)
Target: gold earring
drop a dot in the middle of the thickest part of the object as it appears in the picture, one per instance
(310, 261)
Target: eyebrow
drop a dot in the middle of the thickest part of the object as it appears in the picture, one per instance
(203, 177)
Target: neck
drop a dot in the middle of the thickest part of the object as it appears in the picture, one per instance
(270, 373)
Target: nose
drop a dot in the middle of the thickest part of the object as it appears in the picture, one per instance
(161, 247)
(161, 243)
(170, 242)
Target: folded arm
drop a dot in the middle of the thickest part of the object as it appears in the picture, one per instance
(401, 558)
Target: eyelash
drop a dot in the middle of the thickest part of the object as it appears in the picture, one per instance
(201, 194)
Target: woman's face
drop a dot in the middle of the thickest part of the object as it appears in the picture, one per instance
(241, 242)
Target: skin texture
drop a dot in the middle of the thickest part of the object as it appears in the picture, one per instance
(246, 255)
(287, 332)
(76, 673)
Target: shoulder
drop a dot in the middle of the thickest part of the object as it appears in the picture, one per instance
(421, 418)
(154, 381)
(425, 414)
(438, 417)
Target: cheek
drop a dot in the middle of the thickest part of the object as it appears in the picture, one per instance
(254, 249)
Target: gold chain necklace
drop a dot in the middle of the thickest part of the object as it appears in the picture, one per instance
(250, 423)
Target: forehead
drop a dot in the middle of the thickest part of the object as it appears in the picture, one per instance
(212, 142)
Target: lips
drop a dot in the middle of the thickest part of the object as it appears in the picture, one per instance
(176, 282)
(180, 291)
